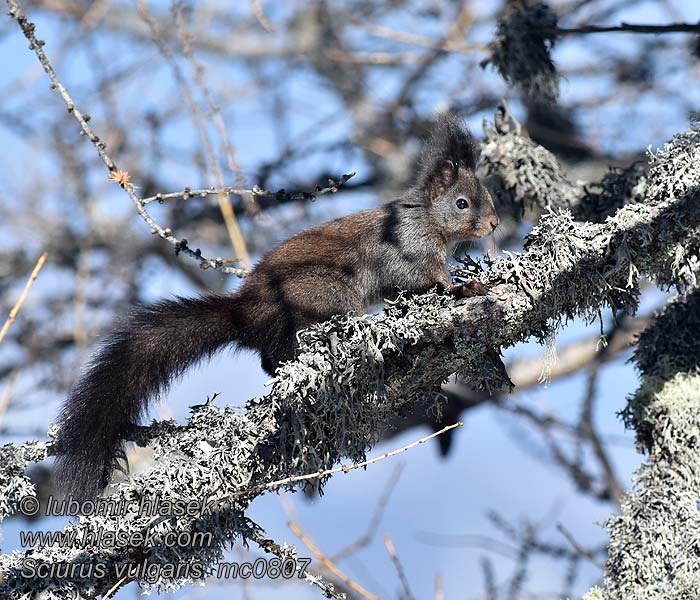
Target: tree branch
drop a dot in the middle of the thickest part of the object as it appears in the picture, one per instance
(627, 27)
(653, 541)
(180, 245)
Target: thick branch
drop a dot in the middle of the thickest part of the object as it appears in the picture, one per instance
(653, 550)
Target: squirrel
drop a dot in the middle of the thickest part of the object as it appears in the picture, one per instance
(339, 267)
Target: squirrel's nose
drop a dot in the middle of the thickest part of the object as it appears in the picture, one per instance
(494, 222)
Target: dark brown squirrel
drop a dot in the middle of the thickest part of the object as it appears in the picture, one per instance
(342, 266)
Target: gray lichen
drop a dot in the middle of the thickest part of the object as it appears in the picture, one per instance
(14, 482)
(530, 176)
(521, 51)
(654, 541)
(529, 173)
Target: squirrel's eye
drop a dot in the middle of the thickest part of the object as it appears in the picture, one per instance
(462, 203)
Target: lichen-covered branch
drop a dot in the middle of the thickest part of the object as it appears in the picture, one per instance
(532, 177)
(521, 51)
(654, 546)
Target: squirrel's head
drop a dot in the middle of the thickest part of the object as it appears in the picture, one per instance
(459, 204)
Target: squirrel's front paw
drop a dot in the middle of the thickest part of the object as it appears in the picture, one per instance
(469, 290)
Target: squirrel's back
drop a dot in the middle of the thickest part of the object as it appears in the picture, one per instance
(354, 261)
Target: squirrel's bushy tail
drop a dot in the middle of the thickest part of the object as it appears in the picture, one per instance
(148, 349)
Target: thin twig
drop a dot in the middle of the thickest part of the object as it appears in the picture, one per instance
(23, 295)
(466, 540)
(344, 468)
(287, 552)
(7, 394)
(576, 546)
(332, 187)
(353, 585)
(588, 431)
(439, 587)
(234, 231)
(261, 16)
(180, 245)
(199, 72)
(372, 58)
(399, 567)
(214, 109)
(445, 45)
(115, 587)
(366, 537)
(462, 24)
(489, 579)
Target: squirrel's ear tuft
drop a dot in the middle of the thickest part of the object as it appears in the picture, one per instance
(449, 147)
(443, 176)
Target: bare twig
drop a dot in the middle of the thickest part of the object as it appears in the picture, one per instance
(573, 357)
(270, 546)
(366, 538)
(261, 16)
(467, 540)
(200, 71)
(215, 114)
(23, 295)
(576, 546)
(7, 394)
(463, 22)
(332, 187)
(353, 585)
(343, 468)
(114, 588)
(224, 201)
(451, 44)
(399, 567)
(586, 427)
(180, 245)
(489, 579)
(439, 587)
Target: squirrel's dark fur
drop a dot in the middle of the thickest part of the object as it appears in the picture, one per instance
(341, 266)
